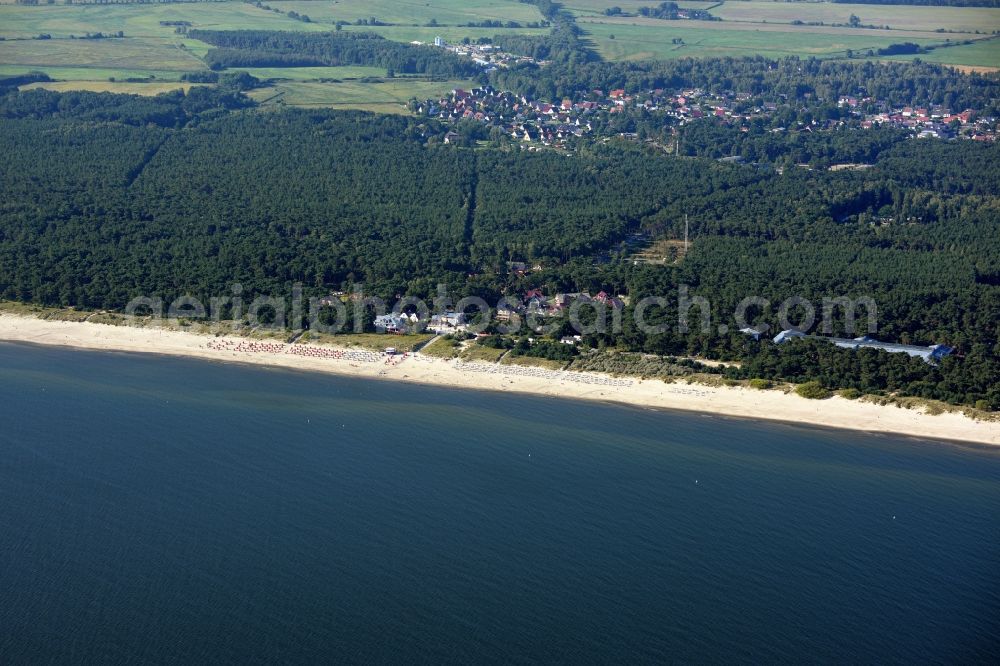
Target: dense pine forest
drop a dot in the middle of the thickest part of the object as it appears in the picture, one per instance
(189, 194)
(262, 48)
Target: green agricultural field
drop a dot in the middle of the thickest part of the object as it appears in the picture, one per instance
(448, 33)
(143, 20)
(120, 54)
(983, 55)
(897, 17)
(592, 8)
(152, 88)
(151, 49)
(90, 73)
(632, 39)
(402, 12)
(388, 96)
(139, 20)
(765, 27)
(313, 73)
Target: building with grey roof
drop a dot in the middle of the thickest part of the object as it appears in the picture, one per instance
(931, 354)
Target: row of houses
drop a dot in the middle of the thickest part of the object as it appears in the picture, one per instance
(535, 302)
(402, 322)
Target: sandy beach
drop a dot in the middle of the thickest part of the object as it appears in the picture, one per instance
(834, 412)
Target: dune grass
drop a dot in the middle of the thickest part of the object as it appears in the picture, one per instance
(532, 362)
(481, 354)
(442, 348)
(369, 341)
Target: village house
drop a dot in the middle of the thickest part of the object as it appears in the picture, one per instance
(611, 301)
(447, 322)
(506, 312)
(517, 267)
(563, 301)
(392, 323)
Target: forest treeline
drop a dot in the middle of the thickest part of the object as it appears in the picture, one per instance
(161, 196)
(266, 48)
(171, 109)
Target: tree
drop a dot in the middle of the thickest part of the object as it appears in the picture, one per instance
(812, 390)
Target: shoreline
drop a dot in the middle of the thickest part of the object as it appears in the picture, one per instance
(739, 402)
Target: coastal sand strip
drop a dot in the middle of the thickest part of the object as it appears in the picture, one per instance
(834, 412)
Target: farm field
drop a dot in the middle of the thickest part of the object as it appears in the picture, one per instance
(983, 55)
(139, 20)
(148, 49)
(453, 34)
(152, 49)
(736, 27)
(90, 73)
(633, 40)
(315, 73)
(123, 87)
(897, 17)
(592, 8)
(765, 27)
(389, 96)
(114, 54)
(403, 12)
